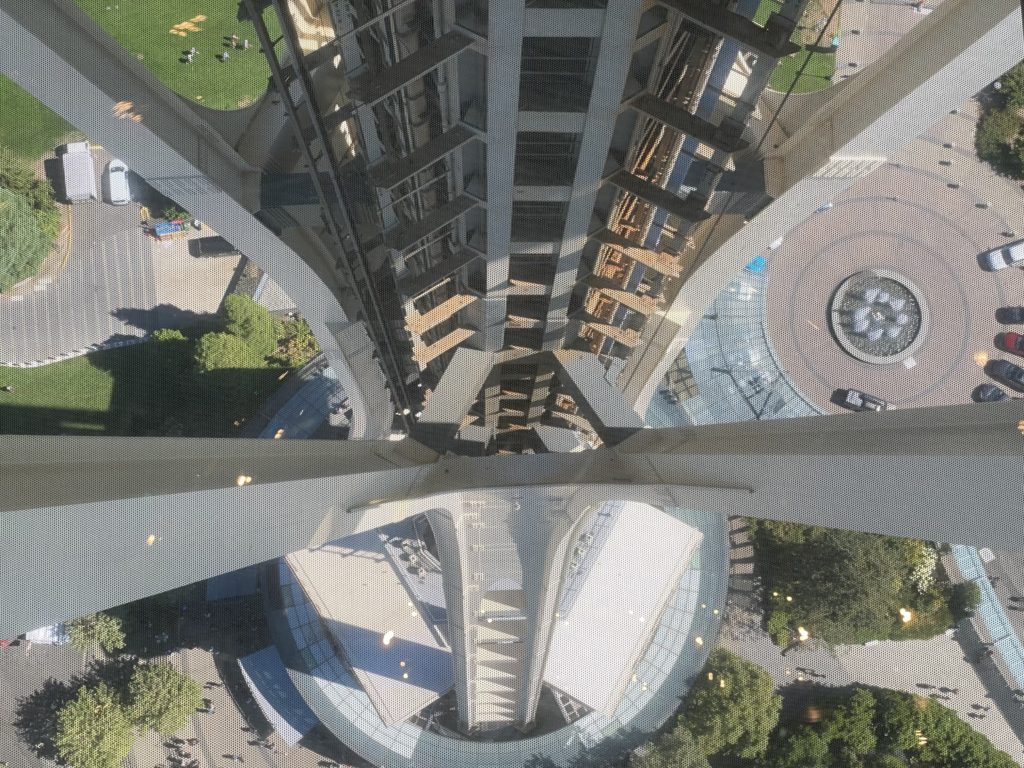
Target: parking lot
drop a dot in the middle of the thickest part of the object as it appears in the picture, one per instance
(112, 283)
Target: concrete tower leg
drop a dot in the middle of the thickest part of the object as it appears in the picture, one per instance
(504, 556)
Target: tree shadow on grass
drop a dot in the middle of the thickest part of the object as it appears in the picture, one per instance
(36, 714)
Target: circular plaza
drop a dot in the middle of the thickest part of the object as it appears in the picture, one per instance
(881, 291)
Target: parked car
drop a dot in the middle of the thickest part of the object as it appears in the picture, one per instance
(78, 171)
(1011, 342)
(988, 393)
(1006, 372)
(1010, 315)
(115, 183)
(211, 246)
(856, 400)
(1004, 256)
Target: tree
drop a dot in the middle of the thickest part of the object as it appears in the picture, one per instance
(220, 351)
(952, 743)
(733, 707)
(251, 322)
(93, 730)
(965, 599)
(23, 242)
(168, 360)
(162, 698)
(676, 749)
(886, 760)
(846, 586)
(896, 718)
(298, 345)
(800, 747)
(852, 724)
(96, 629)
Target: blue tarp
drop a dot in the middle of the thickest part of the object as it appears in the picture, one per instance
(757, 265)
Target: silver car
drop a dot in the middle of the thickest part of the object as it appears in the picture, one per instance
(1002, 257)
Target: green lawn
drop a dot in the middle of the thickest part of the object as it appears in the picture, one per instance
(818, 72)
(126, 392)
(815, 76)
(27, 128)
(144, 27)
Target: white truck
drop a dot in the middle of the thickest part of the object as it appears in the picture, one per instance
(79, 172)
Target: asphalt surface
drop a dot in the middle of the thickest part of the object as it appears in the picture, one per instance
(109, 270)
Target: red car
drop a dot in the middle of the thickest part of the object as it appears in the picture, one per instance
(1011, 342)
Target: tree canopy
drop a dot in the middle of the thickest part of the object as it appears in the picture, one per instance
(847, 586)
(162, 698)
(732, 707)
(23, 244)
(676, 749)
(250, 322)
(96, 629)
(93, 729)
(29, 221)
(220, 351)
(1000, 136)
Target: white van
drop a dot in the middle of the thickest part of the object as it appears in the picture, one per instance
(115, 183)
(79, 171)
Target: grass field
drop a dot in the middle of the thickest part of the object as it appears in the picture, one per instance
(144, 27)
(821, 66)
(27, 128)
(815, 76)
(123, 392)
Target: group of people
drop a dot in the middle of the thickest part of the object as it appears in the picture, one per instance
(190, 54)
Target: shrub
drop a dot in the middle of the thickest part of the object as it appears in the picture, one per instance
(778, 627)
(965, 599)
(219, 351)
(251, 322)
(24, 243)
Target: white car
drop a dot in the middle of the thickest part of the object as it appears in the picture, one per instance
(115, 183)
(1004, 256)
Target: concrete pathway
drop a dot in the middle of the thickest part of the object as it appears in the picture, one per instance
(920, 667)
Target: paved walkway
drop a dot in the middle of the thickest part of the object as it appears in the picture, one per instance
(920, 667)
(871, 29)
(926, 216)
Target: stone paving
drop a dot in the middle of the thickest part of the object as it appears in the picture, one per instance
(926, 215)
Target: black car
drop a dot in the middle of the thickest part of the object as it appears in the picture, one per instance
(1006, 372)
(856, 400)
(1010, 314)
(988, 393)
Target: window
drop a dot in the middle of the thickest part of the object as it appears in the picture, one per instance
(538, 222)
(557, 73)
(546, 159)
